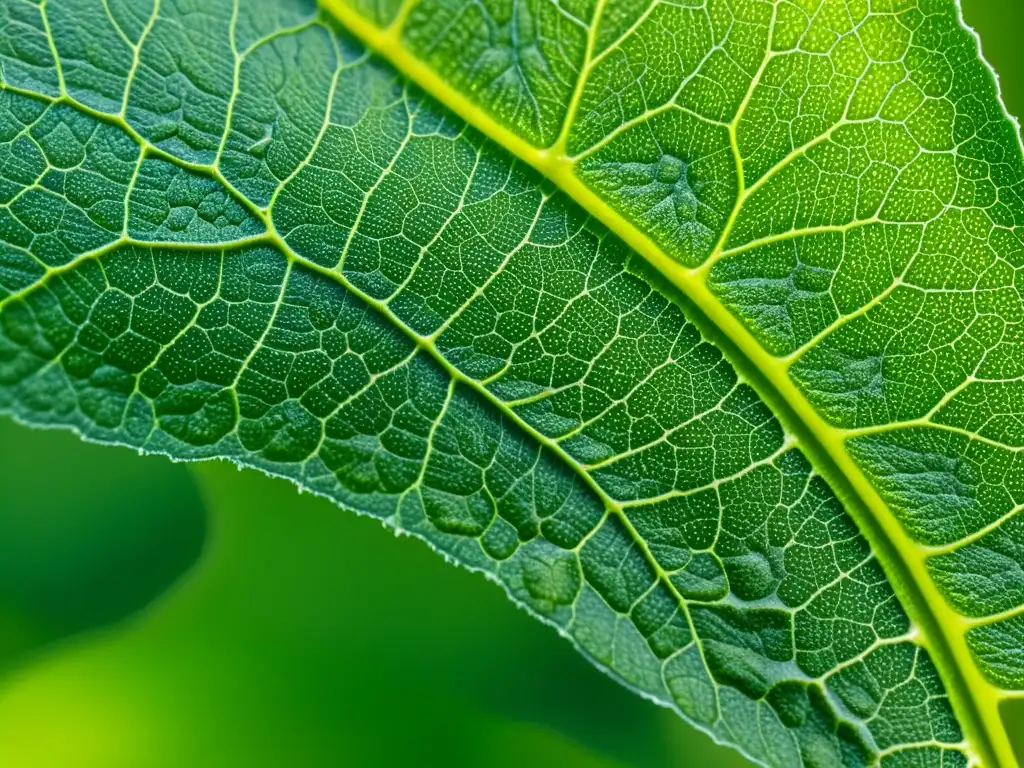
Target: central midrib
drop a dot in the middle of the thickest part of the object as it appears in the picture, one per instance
(974, 699)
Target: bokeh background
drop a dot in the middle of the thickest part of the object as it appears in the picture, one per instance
(159, 615)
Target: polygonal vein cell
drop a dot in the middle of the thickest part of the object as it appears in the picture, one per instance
(238, 235)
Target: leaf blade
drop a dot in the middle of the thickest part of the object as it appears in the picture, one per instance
(426, 319)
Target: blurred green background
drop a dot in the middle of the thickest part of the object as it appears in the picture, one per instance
(156, 615)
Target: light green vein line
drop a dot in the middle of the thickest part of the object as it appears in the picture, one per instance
(136, 51)
(53, 46)
(260, 239)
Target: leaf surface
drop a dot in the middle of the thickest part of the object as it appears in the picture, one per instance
(608, 300)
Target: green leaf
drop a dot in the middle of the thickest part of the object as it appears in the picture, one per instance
(694, 325)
